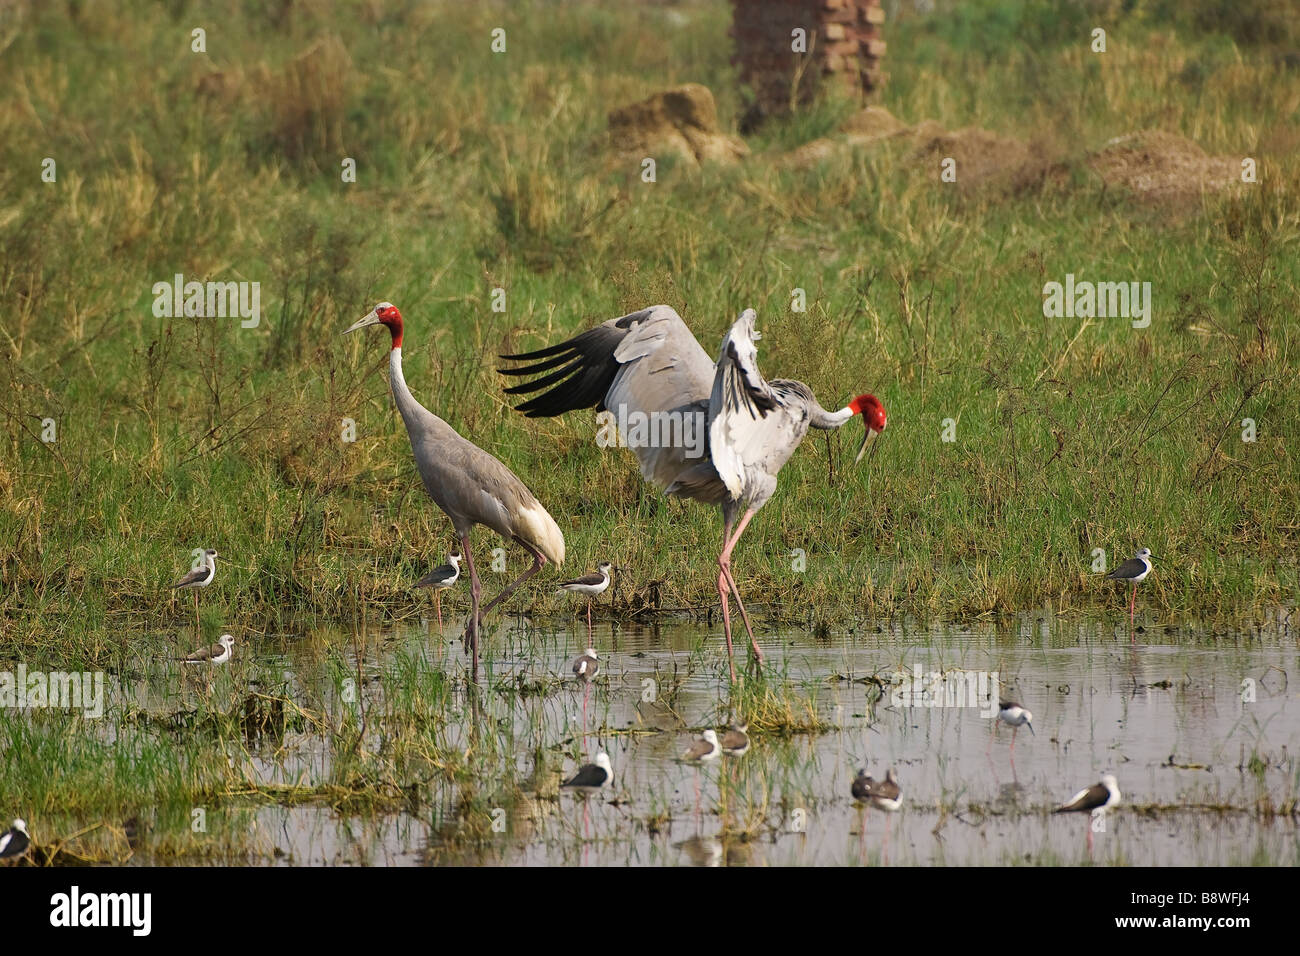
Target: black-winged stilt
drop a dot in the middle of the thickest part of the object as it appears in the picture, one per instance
(735, 740)
(591, 777)
(590, 586)
(1094, 801)
(706, 747)
(440, 579)
(14, 841)
(1135, 569)
(1015, 717)
(585, 668)
(199, 577)
(217, 653)
(884, 795)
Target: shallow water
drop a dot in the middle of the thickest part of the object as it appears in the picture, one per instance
(1166, 715)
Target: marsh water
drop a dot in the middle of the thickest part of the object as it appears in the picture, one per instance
(1201, 728)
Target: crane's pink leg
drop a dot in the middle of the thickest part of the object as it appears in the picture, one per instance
(539, 559)
(474, 590)
(724, 561)
(722, 593)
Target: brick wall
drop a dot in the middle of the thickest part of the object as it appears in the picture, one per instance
(843, 40)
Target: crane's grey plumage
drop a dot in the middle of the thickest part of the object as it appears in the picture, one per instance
(737, 429)
(468, 484)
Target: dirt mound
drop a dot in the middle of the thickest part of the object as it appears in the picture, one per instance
(874, 122)
(982, 158)
(1163, 168)
(684, 120)
(861, 129)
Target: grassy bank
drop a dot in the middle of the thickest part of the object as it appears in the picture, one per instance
(478, 171)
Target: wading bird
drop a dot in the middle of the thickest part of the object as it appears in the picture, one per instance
(706, 747)
(14, 841)
(1014, 716)
(729, 430)
(585, 668)
(1135, 569)
(591, 777)
(218, 653)
(199, 577)
(1095, 801)
(590, 586)
(440, 579)
(469, 485)
(884, 795)
(735, 740)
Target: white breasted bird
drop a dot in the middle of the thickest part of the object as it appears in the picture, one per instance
(199, 576)
(14, 841)
(1015, 717)
(590, 586)
(591, 777)
(585, 668)
(1094, 801)
(1135, 570)
(882, 794)
(586, 665)
(441, 579)
(218, 653)
(706, 747)
(735, 739)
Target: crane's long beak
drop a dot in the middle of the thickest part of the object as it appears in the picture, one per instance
(866, 440)
(371, 319)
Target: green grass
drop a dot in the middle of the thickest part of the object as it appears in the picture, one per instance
(478, 171)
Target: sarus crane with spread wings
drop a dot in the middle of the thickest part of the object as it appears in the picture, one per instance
(736, 431)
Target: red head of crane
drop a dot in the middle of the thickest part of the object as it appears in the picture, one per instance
(469, 485)
(648, 364)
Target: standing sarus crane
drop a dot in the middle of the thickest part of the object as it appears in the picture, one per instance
(469, 485)
(648, 365)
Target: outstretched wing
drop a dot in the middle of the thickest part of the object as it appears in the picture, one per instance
(754, 425)
(643, 367)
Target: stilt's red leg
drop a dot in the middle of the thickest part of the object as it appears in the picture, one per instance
(437, 603)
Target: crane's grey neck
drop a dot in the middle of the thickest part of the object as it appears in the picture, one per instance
(819, 417)
(406, 403)
(421, 424)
